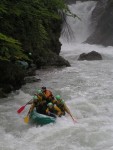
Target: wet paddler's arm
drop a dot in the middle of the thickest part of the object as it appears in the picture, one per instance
(59, 112)
(68, 111)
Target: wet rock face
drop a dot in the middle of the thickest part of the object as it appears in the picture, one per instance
(11, 77)
(90, 56)
(102, 18)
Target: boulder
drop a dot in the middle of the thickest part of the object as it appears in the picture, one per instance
(90, 56)
(60, 61)
(52, 59)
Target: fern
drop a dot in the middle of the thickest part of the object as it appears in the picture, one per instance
(10, 47)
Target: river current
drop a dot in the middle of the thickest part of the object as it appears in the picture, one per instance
(86, 87)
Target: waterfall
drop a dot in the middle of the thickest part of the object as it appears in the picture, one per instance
(80, 28)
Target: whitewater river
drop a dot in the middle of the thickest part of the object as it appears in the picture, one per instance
(87, 88)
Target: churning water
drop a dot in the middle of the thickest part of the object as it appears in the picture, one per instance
(87, 88)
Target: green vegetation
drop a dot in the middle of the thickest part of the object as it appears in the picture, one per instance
(10, 48)
(30, 26)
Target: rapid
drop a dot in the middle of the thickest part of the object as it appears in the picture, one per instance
(87, 88)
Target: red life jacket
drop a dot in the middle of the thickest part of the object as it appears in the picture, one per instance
(48, 94)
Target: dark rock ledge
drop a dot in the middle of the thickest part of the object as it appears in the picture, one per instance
(13, 76)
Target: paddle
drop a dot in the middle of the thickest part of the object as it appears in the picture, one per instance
(75, 121)
(22, 108)
(68, 111)
(26, 119)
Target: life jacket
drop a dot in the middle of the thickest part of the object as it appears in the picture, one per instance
(40, 98)
(49, 96)
(61, 106)
(54, 109)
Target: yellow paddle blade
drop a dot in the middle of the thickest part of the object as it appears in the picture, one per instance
(26, 119)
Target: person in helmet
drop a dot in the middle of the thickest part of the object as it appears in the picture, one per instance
(40, 96)
(53, 110)
(39, 91)
(33, 104)
(39, 104)
(63, 107)
(48, 94)
(61, 104)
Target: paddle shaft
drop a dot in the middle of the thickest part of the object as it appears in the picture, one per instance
(22, 108)
(73, 118)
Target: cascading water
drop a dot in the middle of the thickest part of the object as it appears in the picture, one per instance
(80, 27)
(86, 87)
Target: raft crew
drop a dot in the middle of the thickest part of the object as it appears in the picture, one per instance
(45, 103)
(40, 100)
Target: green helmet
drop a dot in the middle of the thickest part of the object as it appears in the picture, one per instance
(35, 97)
(58, 97)
(49, 104)
(39, 91)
